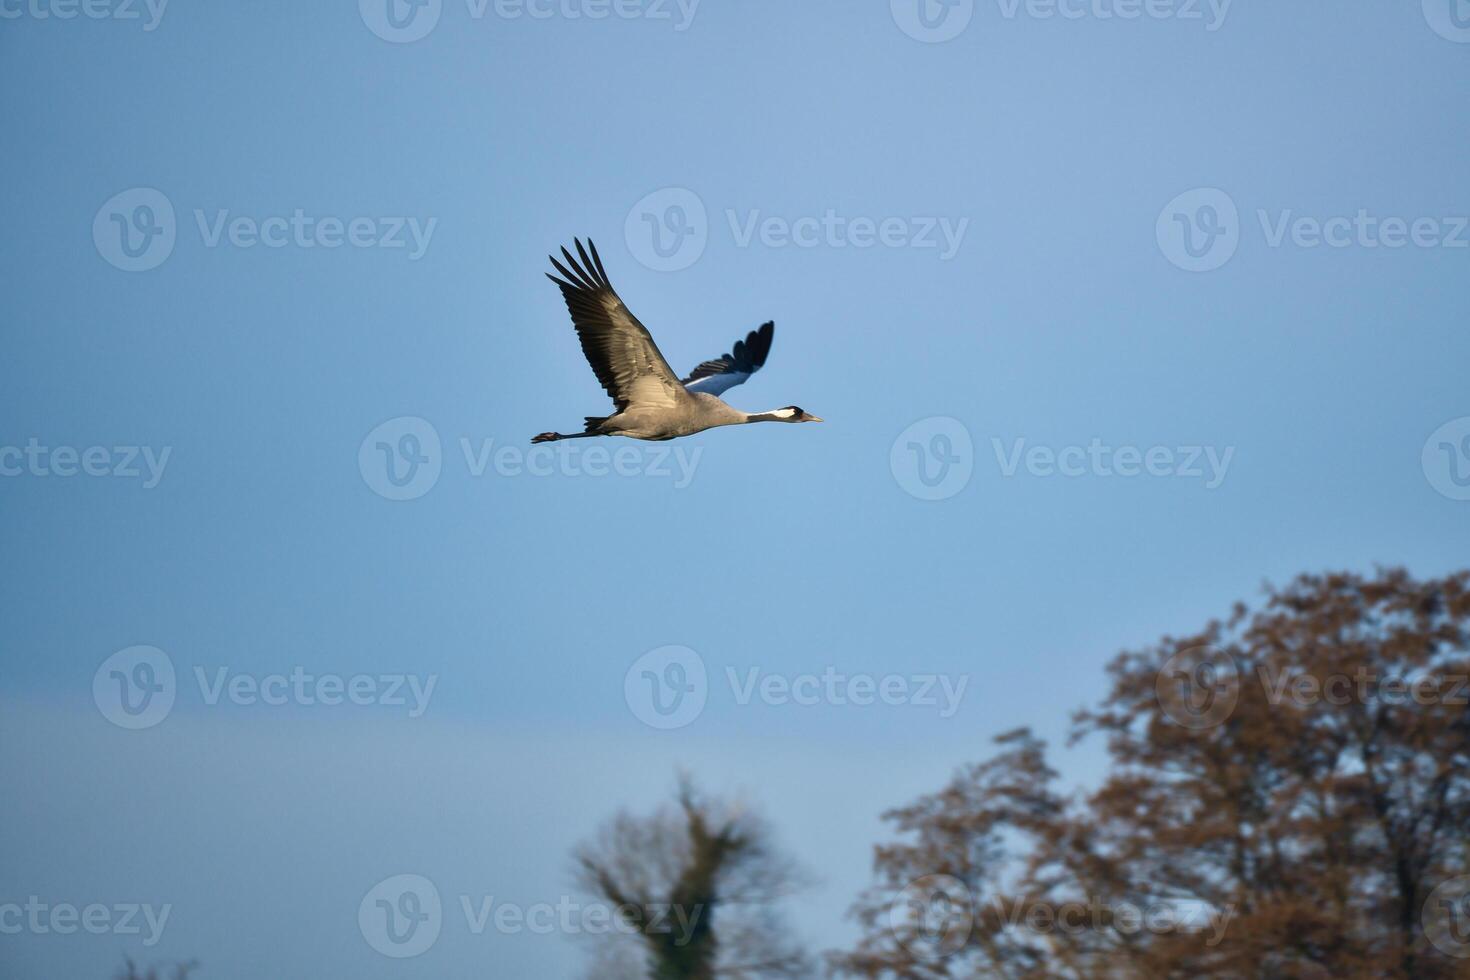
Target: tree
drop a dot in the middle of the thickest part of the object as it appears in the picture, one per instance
(699, 885)
(1288, 796)
(131, 971)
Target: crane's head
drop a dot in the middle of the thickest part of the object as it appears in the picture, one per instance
(793, 414)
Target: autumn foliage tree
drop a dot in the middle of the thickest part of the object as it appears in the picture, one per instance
(698, 886)
(1288, 796)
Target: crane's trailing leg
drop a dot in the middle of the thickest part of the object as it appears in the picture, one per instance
(594, 423)
(554, 436)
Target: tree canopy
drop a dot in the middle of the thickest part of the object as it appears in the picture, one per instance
(1287, 796)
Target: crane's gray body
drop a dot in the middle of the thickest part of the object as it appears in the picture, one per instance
(652, 401)
(694, 413)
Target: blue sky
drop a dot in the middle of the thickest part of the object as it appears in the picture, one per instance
(816, 150)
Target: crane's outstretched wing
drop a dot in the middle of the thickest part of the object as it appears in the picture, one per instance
(622, 353)
(724, 373)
